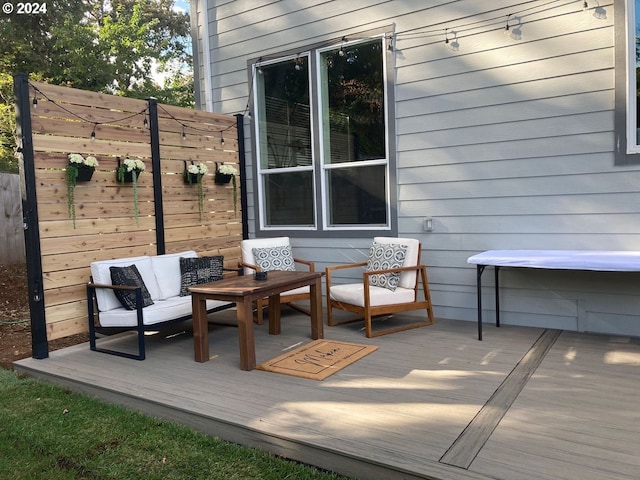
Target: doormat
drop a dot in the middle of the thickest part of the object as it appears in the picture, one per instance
(318, 359)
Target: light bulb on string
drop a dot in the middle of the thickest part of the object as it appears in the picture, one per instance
(342, 52)
(585, 6)
(35, 101)
(506, 27)
(184, 135)
(446, 38)
(221, 139)
(93, 132)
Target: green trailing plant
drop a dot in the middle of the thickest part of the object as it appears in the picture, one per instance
(129, 171)
(78, 169)
(229, 171)
(194, 174)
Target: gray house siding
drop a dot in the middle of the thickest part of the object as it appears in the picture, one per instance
(504, 143)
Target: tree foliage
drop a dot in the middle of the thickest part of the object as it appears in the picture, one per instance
(99, 45)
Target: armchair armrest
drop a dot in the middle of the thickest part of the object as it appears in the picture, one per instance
(311, 265)
(251, 266)
(328, 270)
(346, 265)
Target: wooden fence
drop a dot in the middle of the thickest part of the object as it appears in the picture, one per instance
(11, 231)
(166, 139)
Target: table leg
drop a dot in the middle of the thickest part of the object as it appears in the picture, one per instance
(497, 270)
(317, 323)
(200, 327)
(274, 314)
(479, 270)
(245, 334)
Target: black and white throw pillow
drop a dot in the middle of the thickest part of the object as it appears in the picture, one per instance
(131, 277)
(199, 270)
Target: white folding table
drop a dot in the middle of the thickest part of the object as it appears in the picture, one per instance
(596, 260)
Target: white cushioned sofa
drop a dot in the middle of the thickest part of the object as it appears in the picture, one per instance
(163, 280)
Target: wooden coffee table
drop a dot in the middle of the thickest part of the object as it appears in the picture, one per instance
(244, 290)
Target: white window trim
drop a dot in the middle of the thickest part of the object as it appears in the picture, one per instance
(318, 166)
(632, 126)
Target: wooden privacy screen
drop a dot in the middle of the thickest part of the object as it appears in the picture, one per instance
(62, 122)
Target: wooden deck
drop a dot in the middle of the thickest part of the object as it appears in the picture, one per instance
(435, 403)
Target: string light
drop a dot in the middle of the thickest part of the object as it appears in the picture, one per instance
(342, 52)
(35, 101)
(126, 117)
(446, 37)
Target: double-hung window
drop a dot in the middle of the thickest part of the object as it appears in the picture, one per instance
(322, 148)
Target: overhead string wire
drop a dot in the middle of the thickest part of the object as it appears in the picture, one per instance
(80, 117)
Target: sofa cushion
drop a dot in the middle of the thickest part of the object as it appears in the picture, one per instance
(101, 274)
(129, 276)
(167, 270)
(196, 271)
(274, 258)
(160, 311)
(383, 257)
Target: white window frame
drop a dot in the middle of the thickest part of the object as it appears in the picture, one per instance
(325, 166)
(262, 173)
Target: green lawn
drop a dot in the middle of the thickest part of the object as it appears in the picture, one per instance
(49, 433)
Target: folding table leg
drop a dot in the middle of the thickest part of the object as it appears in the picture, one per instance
(480, 269)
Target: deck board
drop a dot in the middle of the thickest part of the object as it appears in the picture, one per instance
(577, 418)
(392, 414)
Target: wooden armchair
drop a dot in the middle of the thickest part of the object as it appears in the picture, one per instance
(265, 254)
(390, 284)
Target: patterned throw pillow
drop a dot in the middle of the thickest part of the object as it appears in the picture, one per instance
(199, 270)
(383, 257)
(274, 258)
(131, 277)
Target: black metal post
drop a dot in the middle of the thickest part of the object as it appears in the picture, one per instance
(243, 171)
(39, 343)
(154, 133)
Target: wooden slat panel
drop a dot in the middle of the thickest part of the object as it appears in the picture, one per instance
(63, 278)
(74, 96)
(65, 326)
(105, 226)
(49, 143)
